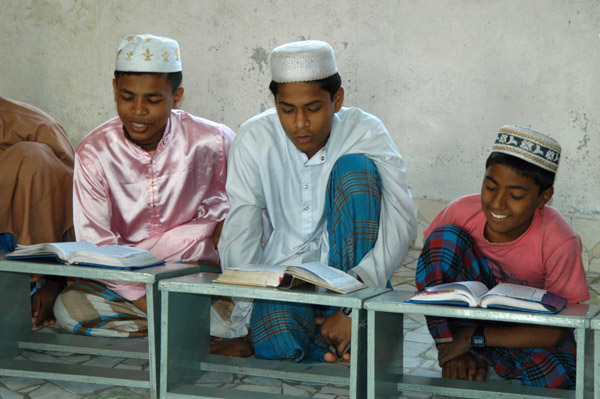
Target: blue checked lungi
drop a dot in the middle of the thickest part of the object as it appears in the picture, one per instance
(8, 242)
(449, 255)
(281, 330)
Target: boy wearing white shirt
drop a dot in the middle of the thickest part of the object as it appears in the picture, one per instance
(329, 185)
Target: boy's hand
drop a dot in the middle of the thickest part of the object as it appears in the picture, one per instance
(42, 304)
(456, 348)
(336, 330)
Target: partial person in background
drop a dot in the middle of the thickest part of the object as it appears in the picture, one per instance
(153, 178)
(36, 181)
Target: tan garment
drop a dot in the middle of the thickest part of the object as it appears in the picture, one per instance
(36, 174)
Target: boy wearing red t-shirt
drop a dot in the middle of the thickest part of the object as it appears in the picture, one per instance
(507, 234)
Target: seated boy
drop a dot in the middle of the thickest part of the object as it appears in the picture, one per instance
(507, 234)
(36, 160)
(332, 187)
(153, 178)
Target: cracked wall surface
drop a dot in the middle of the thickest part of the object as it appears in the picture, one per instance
(443, 75)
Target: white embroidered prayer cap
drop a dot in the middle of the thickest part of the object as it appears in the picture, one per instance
(148, 53)
(302, 61)
(529, 145)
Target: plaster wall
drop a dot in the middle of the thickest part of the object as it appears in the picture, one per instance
(443, 75)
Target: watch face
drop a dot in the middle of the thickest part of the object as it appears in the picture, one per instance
(478, 342)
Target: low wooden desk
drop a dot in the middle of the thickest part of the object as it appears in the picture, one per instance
(185, 339)
(385, 349)
(16, 332)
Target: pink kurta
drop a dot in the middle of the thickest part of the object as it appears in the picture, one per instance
(168, 202)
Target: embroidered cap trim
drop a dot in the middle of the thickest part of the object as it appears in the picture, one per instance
(529, 145)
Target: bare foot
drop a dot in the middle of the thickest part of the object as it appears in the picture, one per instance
(331, 357)
(238, 347)
(465, 367)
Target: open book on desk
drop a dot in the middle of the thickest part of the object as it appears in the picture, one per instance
(87, 254)
(503, 296)
(282, 276)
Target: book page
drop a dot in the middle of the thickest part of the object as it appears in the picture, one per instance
(61, 249)
(518, 291)
(475, 289)
(113, 255)
(279, 269)
(117, 251)
(326, 273)
(325, 276)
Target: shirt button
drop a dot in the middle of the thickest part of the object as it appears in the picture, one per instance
(152, 184)
(306, 208)
(322, 157)
(306, 186)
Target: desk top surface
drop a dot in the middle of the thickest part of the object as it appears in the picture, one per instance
(574, 315)
(202, 283)
(143, 275)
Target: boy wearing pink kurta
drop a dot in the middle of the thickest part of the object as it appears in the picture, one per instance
(152, 178)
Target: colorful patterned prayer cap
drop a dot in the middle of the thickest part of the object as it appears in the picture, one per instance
(303, 61)
(148, 53)
(529, 145)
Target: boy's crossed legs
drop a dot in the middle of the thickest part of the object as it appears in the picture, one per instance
(281, 330)
(449, 255)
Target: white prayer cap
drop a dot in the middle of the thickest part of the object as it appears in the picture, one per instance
(148, 53)
(302, 61)
(529, 145)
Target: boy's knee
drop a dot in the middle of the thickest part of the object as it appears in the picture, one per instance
(354, 163)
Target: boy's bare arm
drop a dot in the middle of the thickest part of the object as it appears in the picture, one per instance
(517, 336)
(525, 336)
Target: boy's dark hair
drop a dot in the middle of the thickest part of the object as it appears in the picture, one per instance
(543, 178)
(173, 78)
(331, 84)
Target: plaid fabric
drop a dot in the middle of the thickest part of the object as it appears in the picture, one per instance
(538, 367)
(449, 255)
(89, 308)
(281, 330)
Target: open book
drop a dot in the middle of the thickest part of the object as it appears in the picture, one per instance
(290, 276)
(88, 254)
(504, 296)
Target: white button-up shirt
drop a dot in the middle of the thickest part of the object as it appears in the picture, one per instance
(268, 176)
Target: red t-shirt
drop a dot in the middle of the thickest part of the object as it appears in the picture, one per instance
(547, 255)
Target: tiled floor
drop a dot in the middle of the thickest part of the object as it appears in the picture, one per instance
(420, 359)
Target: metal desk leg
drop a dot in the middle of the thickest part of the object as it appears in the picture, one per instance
(385, 353)
(15, 312)
(153, 316)
(185, 338)
(358, 352)
(596, 364)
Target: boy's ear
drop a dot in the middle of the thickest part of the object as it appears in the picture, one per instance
(177, 98)
(338, 99)
(546, 196)
(115, 89)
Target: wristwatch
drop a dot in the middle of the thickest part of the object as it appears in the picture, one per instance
(478, 339)
(346, 312)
